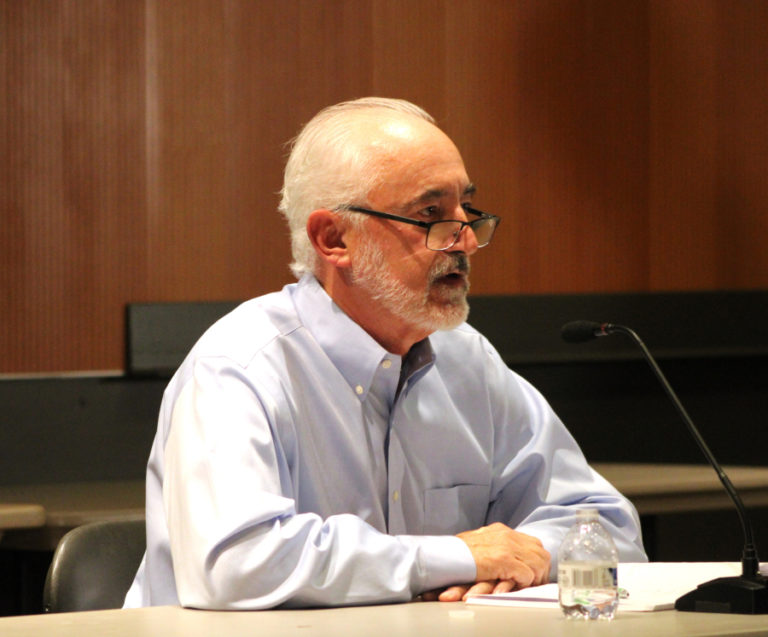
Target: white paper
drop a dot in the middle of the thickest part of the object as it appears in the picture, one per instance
(652, 586)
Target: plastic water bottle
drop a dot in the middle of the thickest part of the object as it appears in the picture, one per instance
(587, 570)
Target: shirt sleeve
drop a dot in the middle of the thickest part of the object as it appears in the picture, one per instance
(541, 475)
(236, 538)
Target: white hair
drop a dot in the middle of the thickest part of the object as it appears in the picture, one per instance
(331, 165)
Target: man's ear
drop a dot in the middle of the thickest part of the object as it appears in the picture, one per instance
(325, 230)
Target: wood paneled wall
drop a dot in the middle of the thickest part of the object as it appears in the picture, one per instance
(624, 143)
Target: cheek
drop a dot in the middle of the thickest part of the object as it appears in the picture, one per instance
(406, 256)
(415, 271)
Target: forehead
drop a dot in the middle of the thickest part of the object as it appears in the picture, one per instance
(415, 161)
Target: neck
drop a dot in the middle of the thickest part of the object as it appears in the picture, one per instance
(385, 328)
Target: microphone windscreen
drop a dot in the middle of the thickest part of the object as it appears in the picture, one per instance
(580, 331)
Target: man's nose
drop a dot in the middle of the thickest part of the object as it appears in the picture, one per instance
(466, 241)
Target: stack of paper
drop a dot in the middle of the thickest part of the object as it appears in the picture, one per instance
(653, 586)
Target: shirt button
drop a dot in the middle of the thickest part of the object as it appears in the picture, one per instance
(359, 390)
(396, 496)
(386, 364)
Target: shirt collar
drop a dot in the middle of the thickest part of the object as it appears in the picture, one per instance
(415, 363)
(351, 349)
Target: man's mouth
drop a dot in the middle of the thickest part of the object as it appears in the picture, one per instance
(456, 269)
(453, 273)
(453, 277)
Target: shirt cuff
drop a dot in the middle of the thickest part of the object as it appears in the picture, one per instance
(441, 561)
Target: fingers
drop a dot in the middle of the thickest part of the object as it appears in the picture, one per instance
(479, 588)
(453, 593)
(464, 591)
(504, 586)
(542, 574)
(503, 554)
(520, 573)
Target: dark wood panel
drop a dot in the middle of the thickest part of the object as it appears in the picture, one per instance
(73, 181)
(709, 144)
(572, 157)
(741, 192)
(684, 146)
(624, 143)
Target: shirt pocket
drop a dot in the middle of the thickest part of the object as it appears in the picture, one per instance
(450, 510)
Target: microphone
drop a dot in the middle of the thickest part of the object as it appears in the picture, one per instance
(583, 331)
(744, 594)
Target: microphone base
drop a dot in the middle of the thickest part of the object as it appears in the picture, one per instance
(737, 595)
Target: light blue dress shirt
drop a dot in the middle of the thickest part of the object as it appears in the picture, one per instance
(294, 464)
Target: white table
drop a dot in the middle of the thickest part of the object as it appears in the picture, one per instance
(417, 619)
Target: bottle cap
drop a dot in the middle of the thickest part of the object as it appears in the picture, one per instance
(586, 515)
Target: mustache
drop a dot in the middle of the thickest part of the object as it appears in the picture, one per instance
(451, 264)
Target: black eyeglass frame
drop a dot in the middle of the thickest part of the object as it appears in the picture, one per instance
(482, 217)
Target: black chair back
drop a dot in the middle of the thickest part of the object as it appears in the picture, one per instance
(93, 566)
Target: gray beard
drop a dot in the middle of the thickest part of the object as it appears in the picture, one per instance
(439, 308)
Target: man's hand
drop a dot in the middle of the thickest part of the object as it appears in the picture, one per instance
(461, 592)
(506, 560)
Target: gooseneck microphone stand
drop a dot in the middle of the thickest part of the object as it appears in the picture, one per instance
(744, 594)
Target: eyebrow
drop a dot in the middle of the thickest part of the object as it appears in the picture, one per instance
(437, 193)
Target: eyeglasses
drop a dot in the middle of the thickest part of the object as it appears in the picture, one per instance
(444, 233)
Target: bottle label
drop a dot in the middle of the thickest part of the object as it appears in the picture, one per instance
(587, 575)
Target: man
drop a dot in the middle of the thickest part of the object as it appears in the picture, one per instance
(351, 439)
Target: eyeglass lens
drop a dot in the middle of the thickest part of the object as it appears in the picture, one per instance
(444, 234)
